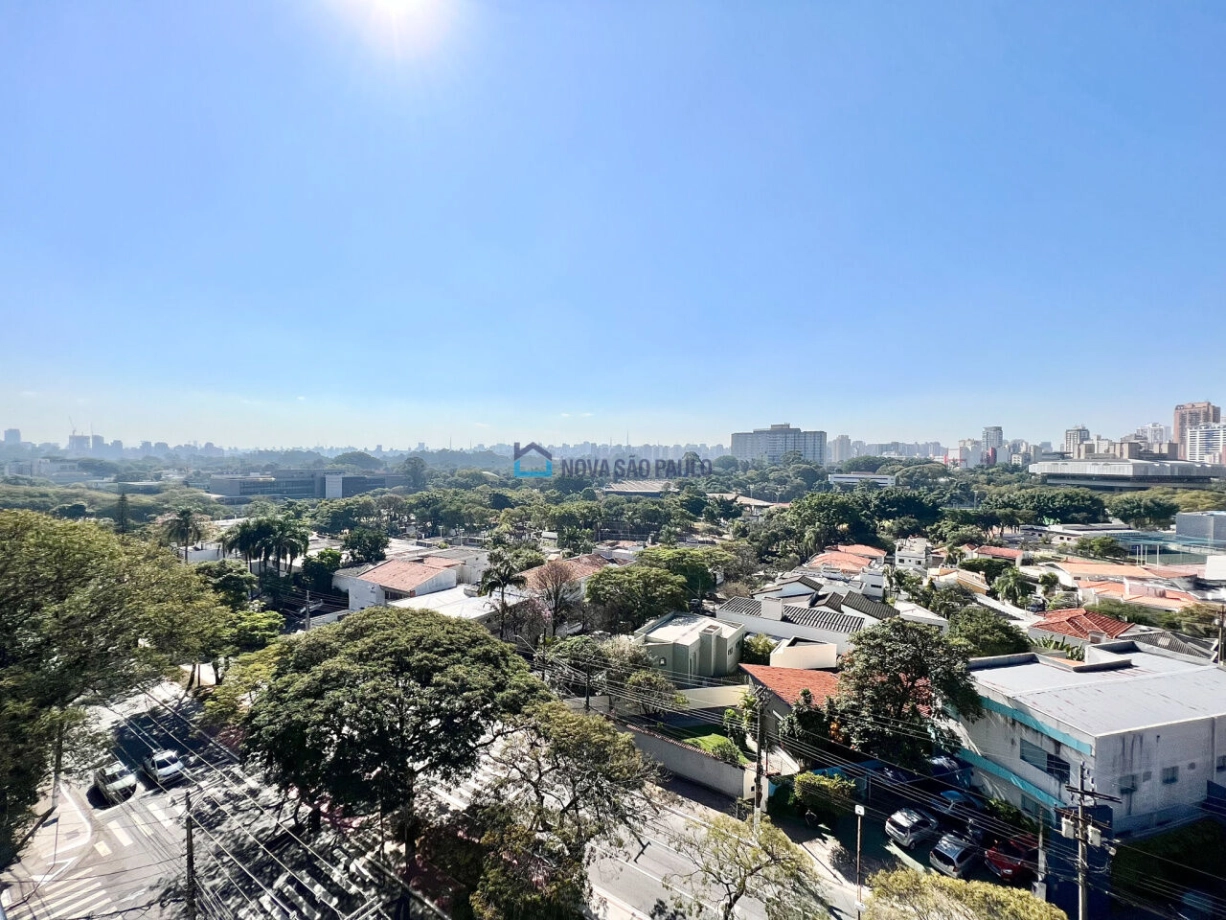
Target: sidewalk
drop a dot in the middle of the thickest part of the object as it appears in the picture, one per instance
(53, 848)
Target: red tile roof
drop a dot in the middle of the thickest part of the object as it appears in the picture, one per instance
(1080, 623)
(859, 549)
(844, 562)
(786, 683)
(401, 575)
(997, 552)
(580, 567)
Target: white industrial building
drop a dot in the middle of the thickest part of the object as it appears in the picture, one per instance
(1149, 724)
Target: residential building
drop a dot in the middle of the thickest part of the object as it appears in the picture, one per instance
(993, 437)
(913, 554)
(1154, 433)
(839, 450)
(1205, 443)
(396, 579)
(12, 437)
(1126, 475)
(860, 568)
(770, 444)
(786, 685)
(1073, 437)
(1148, 723)
(462, 602)
(1080, 627)
(1188, 415)
(851, 480)
(686, 646)
(829, 622)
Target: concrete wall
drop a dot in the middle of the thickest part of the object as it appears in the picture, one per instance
(715, 697)
(692, 763)
(806, 657)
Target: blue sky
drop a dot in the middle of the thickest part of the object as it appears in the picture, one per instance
(363, 221)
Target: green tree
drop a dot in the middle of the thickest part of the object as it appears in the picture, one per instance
(365, 711)
(231, 580)
(123, 514)
(757, 649)
(986, 632)
(697, 566)
(317, 570)
(893, 686)
(1013, 587)
(1141, 509)
(415, 470)
(556, 587)
(573, 782)
(823, 519)
(1100, 548)
(825, 796)
(635, 594)
(185, 527)
(365, 545)
(501, 574)
(575, 540)
(358, 458)
(579, 659)
(85, 616)
(286, 538)
(990, 569)
(903, 894)
(651, 692)
(734, 862)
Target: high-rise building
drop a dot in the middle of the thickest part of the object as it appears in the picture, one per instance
(839, 450)
(1073, 437)
(12, 436)
(1206, 443)
(770, 444)
(993, 437)
(1154, 433)
(1189, 414)
(78, 444)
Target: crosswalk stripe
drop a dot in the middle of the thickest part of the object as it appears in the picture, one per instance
(68, 888)
(92, 901)
(102, 848)
(119, 834)
(144, 829)
(156, 811)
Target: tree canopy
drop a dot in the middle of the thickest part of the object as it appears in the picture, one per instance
(636, 594)
(986, 632)
(902, 894)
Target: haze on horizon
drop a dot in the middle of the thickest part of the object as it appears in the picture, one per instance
(374, 221)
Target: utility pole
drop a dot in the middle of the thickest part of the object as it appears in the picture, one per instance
(191, 859)
(1083, 830)
(308, 611)
(859, 889)
(759, 797)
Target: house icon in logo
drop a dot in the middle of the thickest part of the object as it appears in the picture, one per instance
(533, 461)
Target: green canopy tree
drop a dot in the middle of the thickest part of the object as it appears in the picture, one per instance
(986, 632)
(893, 686)
(582, 657)
(734, 862)
(184, 527)
(635, 594)
(85, 616)
(1140, 509)
(365, 711)
(365, 545)
(696, 566)
(231, 580)
(903, 894)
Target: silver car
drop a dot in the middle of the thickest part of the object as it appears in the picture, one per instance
(953, 855)
(164, 768)
(911, 826)
(115, 781)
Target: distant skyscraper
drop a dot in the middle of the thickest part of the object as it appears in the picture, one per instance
(1189, 414)
(1073, 437)
(12, 436)
(839, 449)
(770, 444)
(1154, 433)
(1206, 443)
(993, 437)
(78, 444)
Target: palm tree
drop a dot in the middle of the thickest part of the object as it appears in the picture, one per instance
(501, 574)
(281, 537)
(184, 528)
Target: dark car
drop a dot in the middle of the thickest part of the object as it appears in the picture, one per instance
(956, 807)
(954, 855)
(1014, 860)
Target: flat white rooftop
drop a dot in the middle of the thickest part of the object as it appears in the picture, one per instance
(453, 602)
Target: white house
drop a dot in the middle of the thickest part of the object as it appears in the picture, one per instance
(1149, 724)
(773, 616)
(399, 578)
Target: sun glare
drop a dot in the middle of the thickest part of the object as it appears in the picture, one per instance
(403, 28)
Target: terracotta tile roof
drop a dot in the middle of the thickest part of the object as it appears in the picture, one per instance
(580, 567)
(1170, 599)
(1080, 623)
(786, 683)
(436, 563)
(996, 552)
(859, 549)
(401, 575)
(844, 562)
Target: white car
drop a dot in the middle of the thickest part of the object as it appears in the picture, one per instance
(115, 781)
(910, 826)
(164, 768)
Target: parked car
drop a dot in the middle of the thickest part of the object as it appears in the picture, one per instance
(911, 826)
(164, 768)
(957, 807)
(954, 855)
(115, 782)
(1014, 860)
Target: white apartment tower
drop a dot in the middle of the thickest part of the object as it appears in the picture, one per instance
(770, 444)
(1073, 437)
